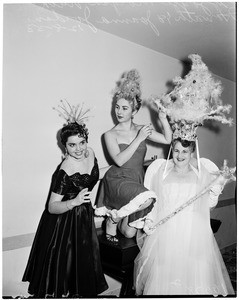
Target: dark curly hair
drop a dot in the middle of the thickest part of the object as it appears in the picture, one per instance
(73, 129)
(185, 143)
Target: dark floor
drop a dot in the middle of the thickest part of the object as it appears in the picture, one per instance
(230, 259)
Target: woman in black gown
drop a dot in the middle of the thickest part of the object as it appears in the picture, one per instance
(64, 260)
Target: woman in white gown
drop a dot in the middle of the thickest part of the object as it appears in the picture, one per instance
(181, 256)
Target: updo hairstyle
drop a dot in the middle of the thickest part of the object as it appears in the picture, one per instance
(135, 102)
(129, 89)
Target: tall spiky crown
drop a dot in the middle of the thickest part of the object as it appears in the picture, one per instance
(72, 113)
(194, 99)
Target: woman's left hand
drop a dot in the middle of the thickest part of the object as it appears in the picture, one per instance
(83, 197)
(221, 180)
(148, 227)
(226, 175)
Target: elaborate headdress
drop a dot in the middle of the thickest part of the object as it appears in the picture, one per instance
(194, 99)
(129, 87)
(74, 115)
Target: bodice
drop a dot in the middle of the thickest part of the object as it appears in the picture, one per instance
(137, 159)
(176, 194)
(70, 186)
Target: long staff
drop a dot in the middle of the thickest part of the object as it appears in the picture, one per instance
(226, 172)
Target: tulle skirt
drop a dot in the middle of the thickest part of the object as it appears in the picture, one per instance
(181, 257)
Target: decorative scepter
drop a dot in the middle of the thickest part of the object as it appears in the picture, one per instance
(226, 172)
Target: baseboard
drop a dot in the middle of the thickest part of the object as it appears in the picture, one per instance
(17, 241)
(225, 202)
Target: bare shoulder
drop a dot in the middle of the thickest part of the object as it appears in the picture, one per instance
(91, 152)
(66, 166)
(91, 158)
(111, 134)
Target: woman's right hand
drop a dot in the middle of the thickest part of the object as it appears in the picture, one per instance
(162, 114)
(148, 227)
(83, 197)
(144, 132)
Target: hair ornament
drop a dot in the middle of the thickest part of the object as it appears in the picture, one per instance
(72, 113)
(193, 100)
(129, 86)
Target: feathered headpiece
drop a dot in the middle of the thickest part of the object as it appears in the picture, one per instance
(194, 99)
(74, 115)
(71, 113)
(129, 87)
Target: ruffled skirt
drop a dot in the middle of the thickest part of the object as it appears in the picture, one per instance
(122, 189)
(181, 257)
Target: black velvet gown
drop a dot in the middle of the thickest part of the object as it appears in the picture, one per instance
(64, 259)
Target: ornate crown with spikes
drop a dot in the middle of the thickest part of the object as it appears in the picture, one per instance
(74, 115)
(194, 99)
(71, 113)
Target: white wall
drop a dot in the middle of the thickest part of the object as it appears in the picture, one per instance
(39, 69)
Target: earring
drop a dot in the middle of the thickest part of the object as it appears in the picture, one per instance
(86, 153)
(66, 153)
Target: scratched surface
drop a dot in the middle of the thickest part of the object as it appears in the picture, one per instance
(172, 28)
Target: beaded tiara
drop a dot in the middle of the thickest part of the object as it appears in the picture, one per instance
(193, 100)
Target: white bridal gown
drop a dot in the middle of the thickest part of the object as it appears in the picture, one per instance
(181, 257)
